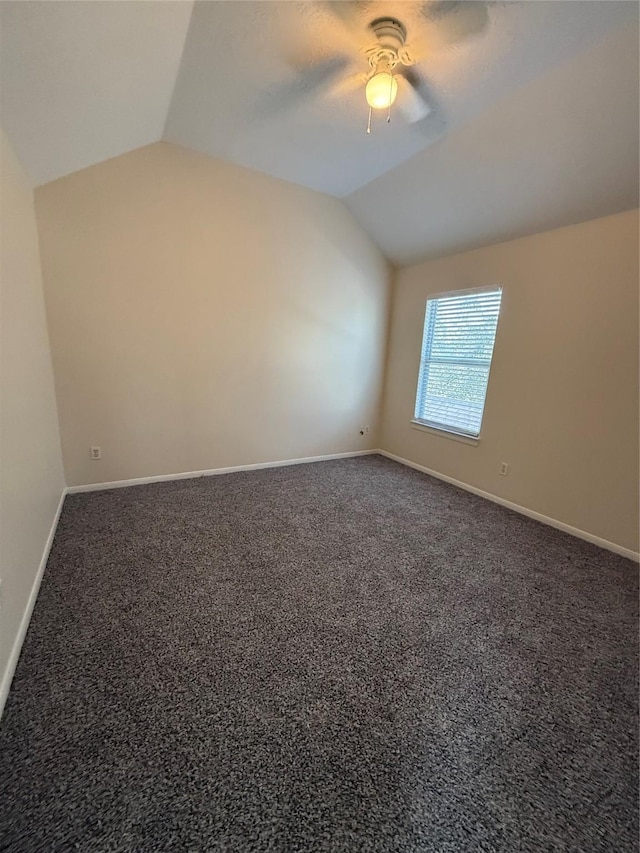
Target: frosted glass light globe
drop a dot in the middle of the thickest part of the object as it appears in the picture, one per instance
(381, 90)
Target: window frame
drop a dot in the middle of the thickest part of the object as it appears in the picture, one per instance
(433, 426)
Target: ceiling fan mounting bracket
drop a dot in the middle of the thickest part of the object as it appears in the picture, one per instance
(390, 32)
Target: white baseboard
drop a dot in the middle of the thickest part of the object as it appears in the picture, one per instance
(212, 472)
(523, 510)
(7, 675)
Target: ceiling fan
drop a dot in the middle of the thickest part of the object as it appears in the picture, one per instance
(435, 25)
(392, 76)
(388, 61)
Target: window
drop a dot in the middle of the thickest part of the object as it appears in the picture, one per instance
(459, 331)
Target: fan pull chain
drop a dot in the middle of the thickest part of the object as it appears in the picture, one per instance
(369, 122)
(390, 96)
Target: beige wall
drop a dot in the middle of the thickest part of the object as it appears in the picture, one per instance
(562, 403)
(31, 480)
(202, 315)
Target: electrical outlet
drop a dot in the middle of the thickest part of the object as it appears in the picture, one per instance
(504, 469)
(95, 453)
(366, 429)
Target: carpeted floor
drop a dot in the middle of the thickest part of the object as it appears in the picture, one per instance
(343, 656)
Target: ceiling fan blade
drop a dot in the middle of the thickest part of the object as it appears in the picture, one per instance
(412, 103)
(352, 15)
(456, 20)
(447, 23)
(349, 84)
(434, 10)
(300, 87)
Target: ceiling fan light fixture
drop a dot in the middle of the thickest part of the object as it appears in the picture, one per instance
(381, 90)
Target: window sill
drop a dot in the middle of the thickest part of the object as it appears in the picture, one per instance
(445, 433)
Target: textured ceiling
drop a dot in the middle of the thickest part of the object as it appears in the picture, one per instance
(532, 121)
(240, 63)
(561, 149)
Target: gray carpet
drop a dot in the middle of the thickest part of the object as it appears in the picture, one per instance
(344, 656)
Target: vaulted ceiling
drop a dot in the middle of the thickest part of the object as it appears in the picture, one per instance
(533, 123)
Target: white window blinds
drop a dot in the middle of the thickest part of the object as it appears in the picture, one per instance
(459, 331)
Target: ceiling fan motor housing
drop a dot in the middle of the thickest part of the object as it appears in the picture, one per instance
(390, 32)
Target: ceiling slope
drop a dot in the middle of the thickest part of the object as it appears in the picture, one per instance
(562, 149)
(240, 94)
(535, 120)
(245, 81)
(86, 81)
